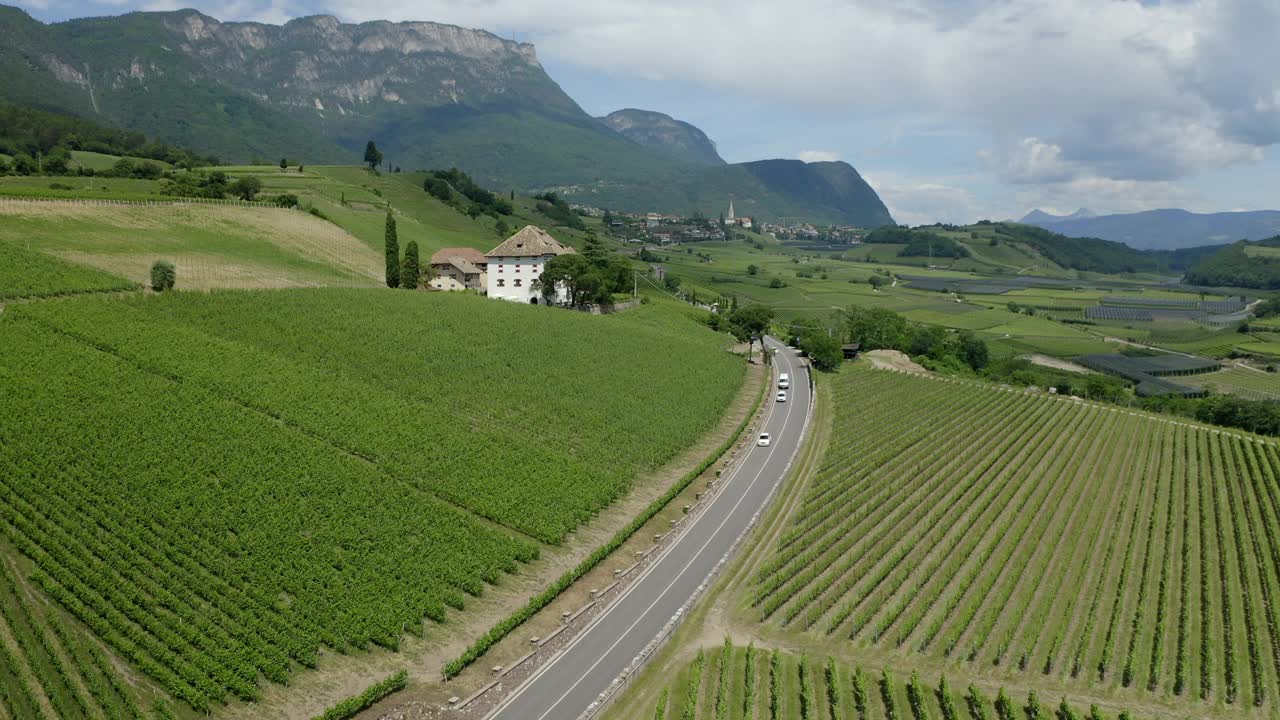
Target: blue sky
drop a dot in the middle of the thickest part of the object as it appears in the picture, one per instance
(955, 110)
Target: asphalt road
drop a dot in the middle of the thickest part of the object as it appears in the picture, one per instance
(566, 686)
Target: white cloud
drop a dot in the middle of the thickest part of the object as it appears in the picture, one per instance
(920, 201)
(1120, 88)
(1061, 92)
(1105, 195)
(817, 156)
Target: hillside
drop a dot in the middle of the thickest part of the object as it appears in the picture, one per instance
(674, 138)
(259, 478)
(315, 90)
(211, 246)
(772, 190)
(1241, 264)
(1166, 229)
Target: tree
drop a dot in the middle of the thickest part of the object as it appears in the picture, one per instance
(593, 249)
(753, 270)
(876, 281)
(750, 323)
(823, 350)
(410, 272)
(973, 350)
(501, 228)
(246, 188)
(163, 276)
(372, 156)
(574, 274)
(876, 328)
(284, 164)
(392, 243)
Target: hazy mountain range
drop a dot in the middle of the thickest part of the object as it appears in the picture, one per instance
(431, 95)
(1162, 229)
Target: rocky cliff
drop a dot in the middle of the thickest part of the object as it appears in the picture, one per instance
(674, 138)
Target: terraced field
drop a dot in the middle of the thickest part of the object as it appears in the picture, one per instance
(1036, 537)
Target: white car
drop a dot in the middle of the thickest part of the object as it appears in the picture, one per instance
(764, 440)
(782, 397)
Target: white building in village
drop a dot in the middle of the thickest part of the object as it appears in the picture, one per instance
(514, 265)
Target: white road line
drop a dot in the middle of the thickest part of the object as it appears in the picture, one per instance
(529, 683)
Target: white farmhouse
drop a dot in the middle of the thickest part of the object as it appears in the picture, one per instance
(514, 265)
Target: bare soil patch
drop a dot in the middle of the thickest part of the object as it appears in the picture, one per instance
(1057, 363)
(892, 360)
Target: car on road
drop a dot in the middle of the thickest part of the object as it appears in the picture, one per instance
(763, 441)
(782, 396)
(784, 381)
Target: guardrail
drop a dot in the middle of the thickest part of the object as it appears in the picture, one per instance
(478, 705)
(623, 681)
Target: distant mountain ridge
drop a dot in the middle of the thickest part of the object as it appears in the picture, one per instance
(315, 89)
(1165, 229)
(675, 138)
(1038, 216)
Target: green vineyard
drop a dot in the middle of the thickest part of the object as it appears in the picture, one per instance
(220, 485)
(1245, 382)
(27, 273)
(1037, 535)
(750, 683)
(49, 669)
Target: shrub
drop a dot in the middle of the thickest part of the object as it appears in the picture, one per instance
(163, 275)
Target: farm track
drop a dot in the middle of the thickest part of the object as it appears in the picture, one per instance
(1084, 544)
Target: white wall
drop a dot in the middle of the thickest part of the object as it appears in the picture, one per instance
(512, 278)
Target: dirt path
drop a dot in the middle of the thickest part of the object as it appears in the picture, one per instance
(1057, 363)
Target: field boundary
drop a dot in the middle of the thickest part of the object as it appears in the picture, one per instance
(509, 624)
(623, 681)
(159, 202)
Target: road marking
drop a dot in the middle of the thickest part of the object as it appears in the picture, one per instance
(529, 683)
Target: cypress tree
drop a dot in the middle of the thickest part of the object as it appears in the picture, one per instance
(409, 274)
(393, 253)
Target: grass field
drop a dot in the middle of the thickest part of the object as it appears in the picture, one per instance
(733, 682)
(257, 475)
(212, 246)
(28, 273)
(1077, 545)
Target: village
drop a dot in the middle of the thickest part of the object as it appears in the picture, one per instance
(667, 229)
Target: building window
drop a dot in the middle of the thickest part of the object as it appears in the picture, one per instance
(518, 283)
(517, 267)
(502, 283)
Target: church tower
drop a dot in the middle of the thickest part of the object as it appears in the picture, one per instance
(729, 218)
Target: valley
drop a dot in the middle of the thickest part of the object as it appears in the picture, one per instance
(353, 369)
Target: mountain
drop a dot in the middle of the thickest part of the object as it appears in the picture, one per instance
(1167, 229)
(315, 90)
(1040, 217)
(674, 138)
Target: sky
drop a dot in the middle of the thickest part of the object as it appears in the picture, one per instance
(954, 110)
